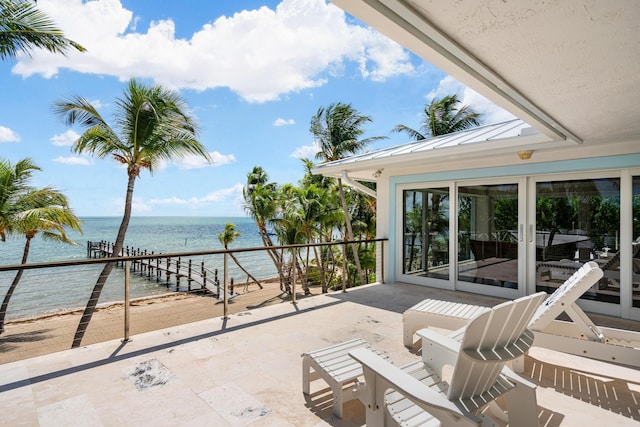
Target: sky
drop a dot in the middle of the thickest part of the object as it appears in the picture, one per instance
(253, 73)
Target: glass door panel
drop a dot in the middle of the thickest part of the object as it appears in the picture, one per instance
(578, 221)
(488, 235)
(426, 232)
(635, 250)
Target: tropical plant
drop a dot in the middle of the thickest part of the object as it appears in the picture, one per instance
(30, 211)
(329, 217)
(260, 202)
(442, 116)
(337, 130)
(289, 227)
(152, 126)
(226, 238)
(24, 27)
(14, 180)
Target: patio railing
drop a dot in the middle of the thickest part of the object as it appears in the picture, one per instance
(45, 308)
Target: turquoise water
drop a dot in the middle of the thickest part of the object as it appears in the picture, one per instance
(45, 291)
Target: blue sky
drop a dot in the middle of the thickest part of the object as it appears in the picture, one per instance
(252, 72)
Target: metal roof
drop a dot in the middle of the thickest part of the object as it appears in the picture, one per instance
(459, 141)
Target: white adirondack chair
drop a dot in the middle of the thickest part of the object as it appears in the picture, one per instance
(580, 336)
(417, 395)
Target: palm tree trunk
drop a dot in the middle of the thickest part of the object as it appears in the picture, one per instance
(347, 217)
(104, 275)
(244, 270)
(14, 284)
(273, 254)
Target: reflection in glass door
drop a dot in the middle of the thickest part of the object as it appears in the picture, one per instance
(488, 235)
(578, 221)
(426, 232)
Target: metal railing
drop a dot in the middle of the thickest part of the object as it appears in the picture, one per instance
(44, 284)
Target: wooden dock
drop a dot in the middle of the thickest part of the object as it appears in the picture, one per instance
(176, 271)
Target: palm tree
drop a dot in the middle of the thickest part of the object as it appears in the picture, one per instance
(226, 238)
(48, 212)
(260, 198)
(23, 27)
(288, 226)
(14, 181)
(329, 218)
(153, 126)
(442, 116)
(337, 130)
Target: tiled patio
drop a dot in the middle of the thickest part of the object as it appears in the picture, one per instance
(247, 371)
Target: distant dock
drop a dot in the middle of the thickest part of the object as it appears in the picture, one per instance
(176, 271)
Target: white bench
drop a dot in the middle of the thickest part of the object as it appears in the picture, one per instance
(334, 365)
(439, 314)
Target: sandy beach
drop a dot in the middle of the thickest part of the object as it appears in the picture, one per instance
(34, 337)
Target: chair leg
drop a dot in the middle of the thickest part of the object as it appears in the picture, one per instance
(522, 405)
(337, 399)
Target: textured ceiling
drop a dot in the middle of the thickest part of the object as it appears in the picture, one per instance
(575, 63)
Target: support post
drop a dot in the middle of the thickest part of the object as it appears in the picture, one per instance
(294, 262)
(178, 275)
(224, 290)
(344, 267)
(127, 283)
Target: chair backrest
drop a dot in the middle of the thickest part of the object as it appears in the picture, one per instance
(490, 341)
(566, 295)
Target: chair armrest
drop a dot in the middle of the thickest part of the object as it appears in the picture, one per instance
(517, 379)
(381, 375)
(438, 350)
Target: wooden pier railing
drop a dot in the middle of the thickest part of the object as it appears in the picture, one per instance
(175, 270)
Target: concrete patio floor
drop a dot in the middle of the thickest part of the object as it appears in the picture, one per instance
(246, 370)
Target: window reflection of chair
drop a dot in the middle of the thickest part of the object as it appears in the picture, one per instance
(610, 266)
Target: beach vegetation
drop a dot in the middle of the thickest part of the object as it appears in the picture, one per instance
(442, 116)
(228, 236)
(310, 213)
(338, 131)
(29, 211)
(152, 125)
(260, 196)
(23, 27)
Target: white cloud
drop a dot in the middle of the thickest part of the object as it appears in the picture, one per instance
(138, 206)
(225, 195)
(64, 139)
(305, 152)
(197, 162)
(284, 122)
(260, 54)
(73, 160)
(231, 198)
(491, 113)
(8, 135)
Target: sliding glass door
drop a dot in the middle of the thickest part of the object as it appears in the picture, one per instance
(425, 233)
(635, 245)
(579, 221)
(512, 236)
(488, 236)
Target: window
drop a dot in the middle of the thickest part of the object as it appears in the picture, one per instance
(487, 235)
(426, 232)
(578, 221)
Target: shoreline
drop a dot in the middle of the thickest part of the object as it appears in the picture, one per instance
(30, 337)
(104, 305)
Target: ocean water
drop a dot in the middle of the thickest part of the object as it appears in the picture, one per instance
(51, 290)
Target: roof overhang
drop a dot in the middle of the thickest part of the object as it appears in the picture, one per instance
(569, 69)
